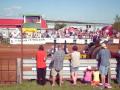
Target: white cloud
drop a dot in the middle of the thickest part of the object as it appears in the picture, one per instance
(13, 8)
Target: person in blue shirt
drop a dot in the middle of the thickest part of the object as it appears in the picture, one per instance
(58, 58)
(104, 56)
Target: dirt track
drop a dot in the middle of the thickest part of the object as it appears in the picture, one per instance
(14, 51)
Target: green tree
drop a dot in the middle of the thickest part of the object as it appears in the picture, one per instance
(116, 24)
(59, 26)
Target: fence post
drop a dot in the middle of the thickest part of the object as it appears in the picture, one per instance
(19, 72)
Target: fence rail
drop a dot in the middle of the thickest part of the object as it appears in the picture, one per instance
(29, 68)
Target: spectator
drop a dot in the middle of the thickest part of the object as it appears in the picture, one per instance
(41, 65)
(118, 67)
(104, 57)
(87, 76)
(58, 58)
(96, 77)
(75, 61)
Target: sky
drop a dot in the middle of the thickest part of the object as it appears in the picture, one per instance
(100, 11)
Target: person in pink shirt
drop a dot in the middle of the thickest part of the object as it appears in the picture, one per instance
(87, 76)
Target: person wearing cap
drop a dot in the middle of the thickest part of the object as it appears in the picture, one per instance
(104, 56)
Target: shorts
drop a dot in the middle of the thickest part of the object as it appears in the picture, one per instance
(54, 72)
(103, 70)
(74, 69)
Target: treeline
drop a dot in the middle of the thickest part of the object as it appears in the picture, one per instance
(116, 24)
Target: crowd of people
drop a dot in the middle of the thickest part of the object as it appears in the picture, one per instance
(95, 76)
(72, 32)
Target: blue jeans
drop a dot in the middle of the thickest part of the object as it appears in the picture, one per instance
(118, 74)
(41, 74)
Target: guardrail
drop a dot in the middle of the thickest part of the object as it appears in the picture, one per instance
(29, 68)
(58, 40)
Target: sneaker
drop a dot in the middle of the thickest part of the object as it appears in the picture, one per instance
(100, 84)
(108, 85)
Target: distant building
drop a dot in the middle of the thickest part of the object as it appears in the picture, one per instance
(80, 25)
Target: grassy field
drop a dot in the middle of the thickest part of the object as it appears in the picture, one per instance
(31, 85)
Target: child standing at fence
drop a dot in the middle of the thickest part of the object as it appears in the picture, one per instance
(75, 62)
(87, 76)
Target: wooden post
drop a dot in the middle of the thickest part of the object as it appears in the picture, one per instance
(19, 71)
(20, 28)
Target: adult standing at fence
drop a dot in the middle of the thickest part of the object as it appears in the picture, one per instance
(118, 67)
(58, 58)
(75, 62)
(41, 65)
(104, 56)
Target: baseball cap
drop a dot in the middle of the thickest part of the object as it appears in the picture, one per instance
(103, 45)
